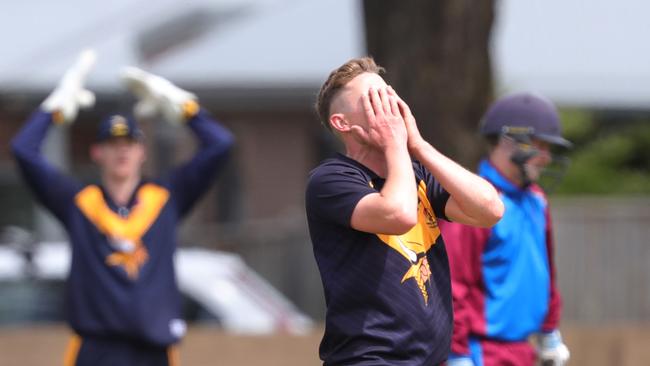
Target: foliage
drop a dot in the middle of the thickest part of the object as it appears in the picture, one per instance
(611, 153)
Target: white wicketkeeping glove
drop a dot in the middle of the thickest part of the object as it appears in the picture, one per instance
(551, 350)
(158, 96)
(64, 102)
(460, 361)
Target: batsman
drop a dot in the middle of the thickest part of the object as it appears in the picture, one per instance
(504, 286)
(122, 300)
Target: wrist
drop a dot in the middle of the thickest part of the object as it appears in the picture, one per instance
(460, 360)
(58, 117)
(394, 147)
(418, 148)
(550, 339)
(190, 108)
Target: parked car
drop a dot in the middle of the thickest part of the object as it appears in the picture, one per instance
(218, 288)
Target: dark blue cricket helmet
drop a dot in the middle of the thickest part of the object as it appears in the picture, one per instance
(524, 114)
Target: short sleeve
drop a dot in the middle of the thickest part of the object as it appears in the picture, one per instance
(437, 195)
(333, 192)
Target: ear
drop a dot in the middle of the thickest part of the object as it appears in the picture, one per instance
(143, 152)
(339, 123)
(505, 144)
(96, 153)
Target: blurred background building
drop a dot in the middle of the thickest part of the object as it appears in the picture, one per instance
(257, 66)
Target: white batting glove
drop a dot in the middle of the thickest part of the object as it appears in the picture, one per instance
(460, 361)
(66, 99)
(551, 350)
(158, 96)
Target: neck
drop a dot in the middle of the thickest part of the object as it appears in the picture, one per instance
(506, 167)
(121, 189)
(372, 158)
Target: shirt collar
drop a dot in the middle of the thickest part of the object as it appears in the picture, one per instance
(492, 174)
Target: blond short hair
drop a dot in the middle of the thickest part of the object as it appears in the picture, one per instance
(338, 79)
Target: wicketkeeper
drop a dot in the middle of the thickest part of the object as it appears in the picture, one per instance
(122, 300)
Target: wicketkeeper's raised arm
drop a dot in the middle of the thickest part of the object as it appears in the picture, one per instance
(52, 187)
(473, 200)
(158, 97)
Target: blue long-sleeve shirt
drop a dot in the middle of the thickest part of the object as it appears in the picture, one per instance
(503, 277)
(122, 281)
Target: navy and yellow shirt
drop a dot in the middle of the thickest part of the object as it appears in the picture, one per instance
(388, 297)
(122, 281)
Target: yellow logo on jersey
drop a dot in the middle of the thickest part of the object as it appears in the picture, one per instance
(124, 233)
(415, 244)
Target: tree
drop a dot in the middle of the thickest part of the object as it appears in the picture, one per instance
(436, 56)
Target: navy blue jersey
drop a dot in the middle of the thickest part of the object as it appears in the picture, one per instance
(388, 297)
(122, 281)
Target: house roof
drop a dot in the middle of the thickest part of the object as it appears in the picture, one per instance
(247, 43)
(573, 53)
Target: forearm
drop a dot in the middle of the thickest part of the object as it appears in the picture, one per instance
(475, 197)
(26, 145)
(209, 132)
(52, 188)
(465, 246)
(194, 177)
(399, 190)
(460, 336)
(392, 210)
(552, 319)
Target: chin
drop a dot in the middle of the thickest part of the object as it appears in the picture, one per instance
(121, 174)
(534, 173)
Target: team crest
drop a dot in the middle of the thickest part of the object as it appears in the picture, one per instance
(124, 234)
(415, 244)
(119, 126)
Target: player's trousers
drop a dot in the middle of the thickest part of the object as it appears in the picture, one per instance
(97, 351)
(489, 352)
